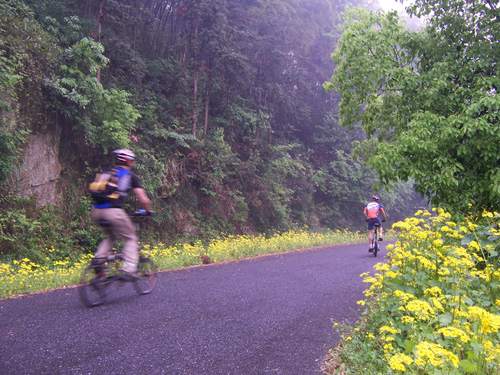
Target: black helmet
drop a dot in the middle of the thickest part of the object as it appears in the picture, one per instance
(124, 155)
(375, 198)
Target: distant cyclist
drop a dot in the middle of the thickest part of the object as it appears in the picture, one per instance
(372, 214)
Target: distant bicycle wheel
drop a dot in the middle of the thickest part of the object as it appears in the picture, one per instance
(91, 289)
(147, 276)
(375, 248)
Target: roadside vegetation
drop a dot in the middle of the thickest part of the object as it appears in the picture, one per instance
(26, 276)
(428, 102)
(434, 307)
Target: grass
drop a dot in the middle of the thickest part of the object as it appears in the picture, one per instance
(434, 307)
(24, 276)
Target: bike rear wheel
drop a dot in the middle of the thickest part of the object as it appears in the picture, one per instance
(91, 289)
(375, 247)
(146, 282)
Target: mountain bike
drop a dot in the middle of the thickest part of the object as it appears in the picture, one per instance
(97, 278)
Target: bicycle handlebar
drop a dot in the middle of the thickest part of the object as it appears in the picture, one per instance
(142, 213)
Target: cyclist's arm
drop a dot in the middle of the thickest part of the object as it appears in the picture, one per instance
(383, 213)
(143, 198)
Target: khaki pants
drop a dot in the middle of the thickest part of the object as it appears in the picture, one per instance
(121, 227)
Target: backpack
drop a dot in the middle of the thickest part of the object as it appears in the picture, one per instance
(104, 188)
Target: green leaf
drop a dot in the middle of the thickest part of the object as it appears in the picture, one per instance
(409, 345)
(445, 319)
(468, 301)
(468, 366)
(477, 348)
(468, 238)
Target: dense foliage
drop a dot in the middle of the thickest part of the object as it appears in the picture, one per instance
(427, 100)
(222, 100)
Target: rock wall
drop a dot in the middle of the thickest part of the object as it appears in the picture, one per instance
(40, 170)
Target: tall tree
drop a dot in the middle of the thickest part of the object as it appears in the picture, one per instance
(427, 100)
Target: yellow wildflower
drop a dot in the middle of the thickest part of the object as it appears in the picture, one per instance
(473, 245)
(388, 329)
(487, 214)
(435, 354)
(398, 361)
(421, 309)
(438, 243)
(405, 297)
(388, 347)
(407, 319)
(435, 291)
(455, 333)
(489, 322)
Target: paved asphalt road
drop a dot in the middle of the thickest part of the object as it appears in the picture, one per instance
(268, 315)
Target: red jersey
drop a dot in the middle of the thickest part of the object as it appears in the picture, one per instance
(372, 209)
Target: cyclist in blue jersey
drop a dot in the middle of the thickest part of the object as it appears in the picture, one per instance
(120, 225)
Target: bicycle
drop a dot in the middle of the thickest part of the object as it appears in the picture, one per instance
(97, 278)
(376, 226)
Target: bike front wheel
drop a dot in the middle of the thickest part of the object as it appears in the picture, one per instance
(91, 289)
(375, 249)
(146, 271)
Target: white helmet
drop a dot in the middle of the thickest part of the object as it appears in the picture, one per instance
(124, 155)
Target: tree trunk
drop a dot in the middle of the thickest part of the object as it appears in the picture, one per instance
(195, 79)
(99, 29)
(207, 106)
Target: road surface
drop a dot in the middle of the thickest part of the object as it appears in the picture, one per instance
(268, 315)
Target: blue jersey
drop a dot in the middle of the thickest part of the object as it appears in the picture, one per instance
(126, 182)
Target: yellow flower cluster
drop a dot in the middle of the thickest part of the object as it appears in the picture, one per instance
(421, 309)
(435, 354)
(488, 323)
(25, 276)
(442, 286)
(242, 246)
(455, 333)
(398, 362)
